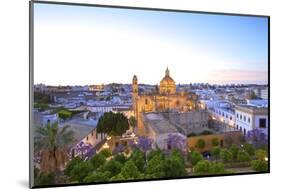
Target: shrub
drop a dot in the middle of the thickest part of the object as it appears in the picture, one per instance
(200, 143)
(225, 155)
(261, 154)
(249, 148)
(215, 152)
(243, 156)
(234, 151)
(195, 157)
(202, 167)
(215, 142)
(217, 168)
(260, 165)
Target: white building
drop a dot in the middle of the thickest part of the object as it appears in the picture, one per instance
(264, 93)
(250, 117)
(43, 118)
(220, 110)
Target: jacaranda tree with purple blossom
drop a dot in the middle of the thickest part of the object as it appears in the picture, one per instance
(257, 138)
(83, 150)
(144, 144)
(118, 149)
(177, 141)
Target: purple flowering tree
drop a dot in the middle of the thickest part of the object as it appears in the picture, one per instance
(118, 149)
(84, 150)
(257, 138)
(144, 144)
(132, 144)
(177, 141)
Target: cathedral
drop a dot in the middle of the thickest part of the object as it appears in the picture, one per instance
(165, 98)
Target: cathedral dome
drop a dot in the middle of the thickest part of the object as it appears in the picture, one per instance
(167, 80)
(167, 84)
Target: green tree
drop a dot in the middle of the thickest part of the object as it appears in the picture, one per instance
(234, 151)
(153, 153)
(225, 155)
(215, 152)
(113, 167)
(44, 179)
(42, 98)
(174, 167)
(81, 170)
(243, 156)
(202, 167)
(261, 154)
(260, 165)
(106, 153)
(215, 142)
(155, 167)
(113, 124)
(120, 158)
(176, 153)
(200, 143)
(195, 157)
(70, 165)
(52, 141)
(98, 160)
(249, 148)
(129, 171)
(132, 122)
(97, 176)
(64, 114)
(217, 168)
(138, 158)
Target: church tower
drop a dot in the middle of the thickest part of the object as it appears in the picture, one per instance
(135, 93)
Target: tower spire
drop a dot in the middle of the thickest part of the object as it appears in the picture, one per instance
(167, 72)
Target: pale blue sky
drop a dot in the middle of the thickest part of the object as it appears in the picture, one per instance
(196, 47)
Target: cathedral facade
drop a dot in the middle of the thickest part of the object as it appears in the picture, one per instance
(164, 98)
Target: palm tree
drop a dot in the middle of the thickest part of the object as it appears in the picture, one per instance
(51, 141)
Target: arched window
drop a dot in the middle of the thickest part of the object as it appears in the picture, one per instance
(146, 101)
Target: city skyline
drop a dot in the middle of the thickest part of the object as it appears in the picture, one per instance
(86, 45)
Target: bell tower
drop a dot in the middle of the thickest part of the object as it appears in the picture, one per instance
(135, 93)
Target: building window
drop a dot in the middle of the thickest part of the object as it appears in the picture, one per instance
(244, 131)
(244, 118)
(249, 120)
(87, 138)
(240, 128)
(226, 115)
(223, 114)
(237, 115)
(240, 117)
(146, 101)
(262, 123)
(230, 118)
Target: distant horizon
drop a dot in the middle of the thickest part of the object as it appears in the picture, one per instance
(57, 85)
(78, 45)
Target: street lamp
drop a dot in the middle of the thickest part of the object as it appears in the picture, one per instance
(105, 146)
(266, 158)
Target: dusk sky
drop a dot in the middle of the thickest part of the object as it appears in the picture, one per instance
(78, 45)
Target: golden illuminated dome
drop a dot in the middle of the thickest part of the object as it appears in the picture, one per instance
(167, 84)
